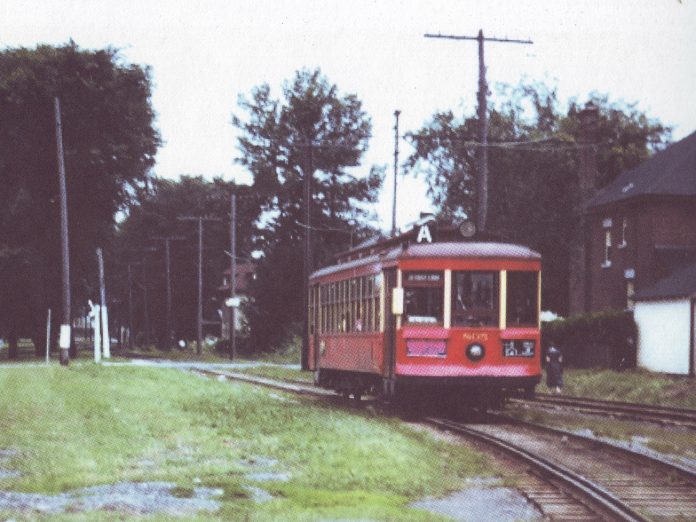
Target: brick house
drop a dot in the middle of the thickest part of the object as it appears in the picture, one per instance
(638, 230)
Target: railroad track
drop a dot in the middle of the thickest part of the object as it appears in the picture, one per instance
(612, 482)
(622, 410)
(573, 478)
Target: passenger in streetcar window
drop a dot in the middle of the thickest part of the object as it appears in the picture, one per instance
(358, 326)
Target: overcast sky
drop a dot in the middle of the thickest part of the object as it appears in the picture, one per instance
(204, 54)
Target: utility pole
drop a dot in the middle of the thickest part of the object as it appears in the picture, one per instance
(308, 172)
(199, 322)
(308, 175)
(106, 340)
(396, 168)
(482, 150)
(130, 304)
(64, 341)
(167, 265)
(233, 276)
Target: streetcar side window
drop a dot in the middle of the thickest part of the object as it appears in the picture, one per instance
(522, 298)
(423, 297)
(475, 298)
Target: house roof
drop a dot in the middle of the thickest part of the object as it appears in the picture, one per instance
(670, 172)
(681, 283)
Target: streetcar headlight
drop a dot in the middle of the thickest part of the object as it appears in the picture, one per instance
(475, 352)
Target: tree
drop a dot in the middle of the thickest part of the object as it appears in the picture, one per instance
(533, 165)
(279, 138)
(109, 142)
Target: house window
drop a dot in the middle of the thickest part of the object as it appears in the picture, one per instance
(607, 248)
(624, 228)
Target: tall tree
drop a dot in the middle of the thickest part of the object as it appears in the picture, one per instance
(309, 128)
(533, 168)
(109, 142)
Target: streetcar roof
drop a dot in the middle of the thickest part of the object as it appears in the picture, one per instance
(455, 250)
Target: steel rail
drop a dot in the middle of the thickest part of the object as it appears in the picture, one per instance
(599, 497)
(652, 460)
(628, 410)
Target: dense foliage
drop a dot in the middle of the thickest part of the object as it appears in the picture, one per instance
(310, 128)
(109, 143)
(533, 169)
(606, 339)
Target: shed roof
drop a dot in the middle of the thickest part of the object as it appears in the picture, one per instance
(670, 172)
(681, 283)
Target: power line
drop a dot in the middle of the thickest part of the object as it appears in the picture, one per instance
(482, 150)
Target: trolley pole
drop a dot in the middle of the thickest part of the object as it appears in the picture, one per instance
(396, 168)
(482, 150)
(64, 341)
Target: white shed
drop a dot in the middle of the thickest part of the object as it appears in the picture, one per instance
(665, 314)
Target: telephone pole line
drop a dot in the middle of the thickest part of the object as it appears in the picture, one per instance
(167, 266)
(199, 322)
(482, 151)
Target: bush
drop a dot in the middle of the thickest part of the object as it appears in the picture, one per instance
(600, 339)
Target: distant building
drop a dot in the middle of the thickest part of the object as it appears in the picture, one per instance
(246, 273)
(639, 252)
(641, 228)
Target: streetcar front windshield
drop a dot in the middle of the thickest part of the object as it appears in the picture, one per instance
(423, 296)
(522, 298)
(475, 298)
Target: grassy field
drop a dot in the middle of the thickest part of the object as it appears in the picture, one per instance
(89, 425)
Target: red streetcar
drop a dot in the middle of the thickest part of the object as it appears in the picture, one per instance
(435, 312)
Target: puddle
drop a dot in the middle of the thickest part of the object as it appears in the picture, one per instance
(144, 498)
(258, 495)
(9, 473)
(480, 504)
(267, 477)
(259, 462)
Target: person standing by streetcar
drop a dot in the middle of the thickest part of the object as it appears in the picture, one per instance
(554, 369)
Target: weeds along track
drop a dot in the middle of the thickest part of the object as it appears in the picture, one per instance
(614, 483)
(621, 410)
(568, 477)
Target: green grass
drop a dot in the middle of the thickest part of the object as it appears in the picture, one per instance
(87, 425)
(631, 386)
(282, 373)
